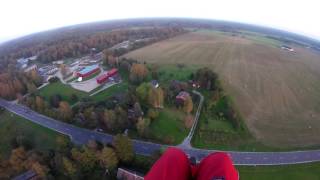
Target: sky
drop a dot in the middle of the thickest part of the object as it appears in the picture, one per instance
(22, 17)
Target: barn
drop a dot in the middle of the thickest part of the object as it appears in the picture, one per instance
(104, 77)
(87, 71)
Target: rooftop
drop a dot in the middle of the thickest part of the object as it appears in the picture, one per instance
(88, 69)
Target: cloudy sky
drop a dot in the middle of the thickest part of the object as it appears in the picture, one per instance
(21, 17)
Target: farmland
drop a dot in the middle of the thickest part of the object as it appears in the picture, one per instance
(275, 91)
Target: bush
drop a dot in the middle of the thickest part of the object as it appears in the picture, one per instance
(53, 79)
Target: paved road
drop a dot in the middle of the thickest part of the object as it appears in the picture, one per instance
(186, 142)
(82, 136)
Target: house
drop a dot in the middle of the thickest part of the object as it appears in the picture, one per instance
(128, 174)
(31, 68)
(181, 98)
(88, 70)
(104, 77)
(287, 48)
(154, 83)
(57, 62)
(183, 95)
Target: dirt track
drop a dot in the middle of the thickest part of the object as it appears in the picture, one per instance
(277, 92)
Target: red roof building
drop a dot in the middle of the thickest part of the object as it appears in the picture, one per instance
(104, 77)
(87, 71)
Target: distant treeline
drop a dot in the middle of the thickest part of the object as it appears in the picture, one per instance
(73, 43)
(77, 40)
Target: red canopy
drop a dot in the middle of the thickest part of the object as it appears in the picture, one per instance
(175, 165)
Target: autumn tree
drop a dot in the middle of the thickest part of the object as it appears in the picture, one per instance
(31, 88)
(63, 70)
(108, 158)
(40, 169)
(156, 97)
(123, 147)
(142, 125)
(188, 104)
(18, 159)
(63, 144)
(85, 157)
(40, 104)
(138, 73)
(69, 167)
(109, 119)
(152, 114)
(35, 77)
(65, 111)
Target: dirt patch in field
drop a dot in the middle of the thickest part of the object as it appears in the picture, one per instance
(277, 92)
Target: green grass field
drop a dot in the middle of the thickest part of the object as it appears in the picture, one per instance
(64, 90)
(168, 73)
(118, 88)
(12, 125)
(310, 171)
(169, 126)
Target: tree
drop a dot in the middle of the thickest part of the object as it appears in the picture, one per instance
(35, 77)
(86, 158)
(143, 91)
(40, 170)
(188, 105)
(40, 104)
(206, 78)
(122, 118)
(137, 110)
(65, 111)
(63, 144)
(138, 73)
(18, 159)
(156, 97)
(142, 125)
(123, 147)
(152, 114)
(109, 119)
(92, 144)
(31, 88)
(55, 100)
(63, 70)
(69, 167)
(108, 158)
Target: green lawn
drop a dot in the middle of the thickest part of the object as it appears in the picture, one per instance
(175, 72)
(12, 125)
(122, 87)
(59, 88)
(310, 171)
(169, 126)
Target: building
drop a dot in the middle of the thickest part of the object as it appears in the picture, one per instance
(181, 98)
(287, 48)
(154, 83)
(57, 62)
(183, 95)
(87, 71)
(31, 68)
(128, 174)
(104, 77)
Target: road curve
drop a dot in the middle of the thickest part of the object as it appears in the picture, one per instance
(82, 136)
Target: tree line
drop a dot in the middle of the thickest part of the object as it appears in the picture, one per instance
(67, 161)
